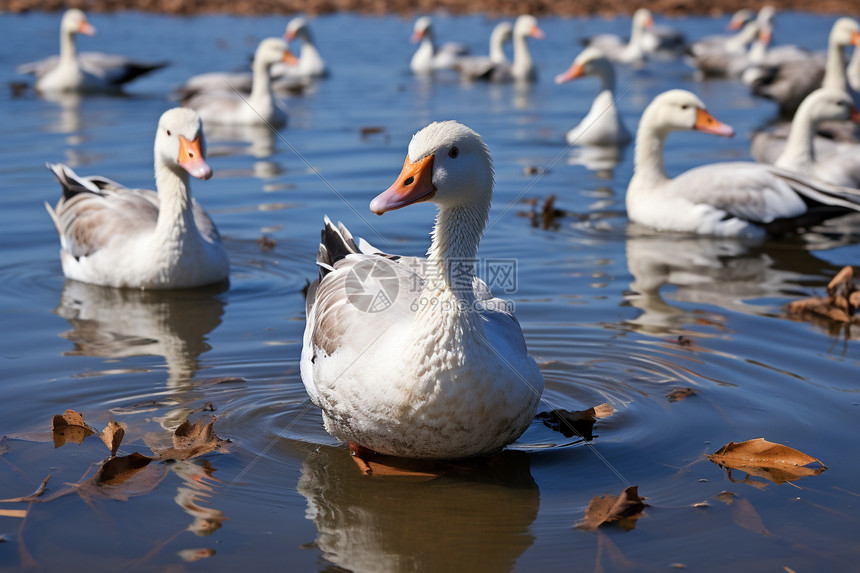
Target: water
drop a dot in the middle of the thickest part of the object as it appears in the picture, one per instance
(601, 305)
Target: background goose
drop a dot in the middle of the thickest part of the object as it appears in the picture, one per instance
(743, 22)
(119, 237)
(630, 52)
(523, 68)
(487, 67)
(837, 164)
(441, 369)
(227, 107)
(726, 199)
(790, 82)
(86, 72)
(427, 57)
(602, 125)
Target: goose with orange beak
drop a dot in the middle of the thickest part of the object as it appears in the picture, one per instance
(116, 236)
(412, 356)
(429, 58)
(735, 199)
(632, 51)
(89, 72)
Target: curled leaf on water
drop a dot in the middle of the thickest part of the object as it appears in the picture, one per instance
(123, 477)
(840, 304)
(575, 423)
(112, 436)
(761, 458)
(677, 394)
(622, 510)
(70, 428)
(191, 440)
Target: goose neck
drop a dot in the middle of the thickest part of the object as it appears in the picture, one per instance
(522, 55)
(68, 49)
(175, 217)
(497, 49)
(454, 248)
(834, 70)
(799, 152)
(649, 171)
(261, 88)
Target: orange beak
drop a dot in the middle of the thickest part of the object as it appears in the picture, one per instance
(575, 71)
(417, 36)
(191, 158)
(855, 38)
(709, 124)
(536, 33)
(649, 23)
(735, 24)
(290, 35)
(289, 58)
(86, 29)
(413, 185)
(765, 37)
(854, 114)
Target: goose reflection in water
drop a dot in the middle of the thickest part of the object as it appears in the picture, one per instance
(258, 141)
(706, 271)
(120, 323)
(480, 511)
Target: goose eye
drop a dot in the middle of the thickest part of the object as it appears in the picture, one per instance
(453, 153)
(685, 107)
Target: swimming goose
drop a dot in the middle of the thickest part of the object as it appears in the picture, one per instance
(745, 26)
(487, 67)
(790, 82)
(310, 63)
(730, 59)
(88, 72)
(631, 52)
(523, 68)
(739, 199)
(840, 165)
(602, 125)
(119, 237)
(415, 357)
(427, 57)
(227, 107)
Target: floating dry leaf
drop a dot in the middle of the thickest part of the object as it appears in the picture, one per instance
(761, 458)
(123, 477)
(70, 427)
(840, 304)
(189, 555)
(266, 243)
(22, 513)
(575, 423)
(622, 510)
(727, 497)
(112, 436)
(32, 497)
(190, 441)
(680, 393)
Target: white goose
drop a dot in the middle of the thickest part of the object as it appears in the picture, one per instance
(427, 57)
(523, 67)
(743, 23)
(489, 67)
(725, 199)
(731, 58)
(119, 237)
(441, 370)
(631, 52)
(88, 72)
(840, 165)
(228, 108)
(310, 63)
(790, 82)
(602, 125)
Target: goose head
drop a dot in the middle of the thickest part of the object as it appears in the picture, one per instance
(740, 18)
(680, 110)
(765, 15)
(75, 22)
(845, 32)
(590, 62)
(179, 142)
(828, 104)
(295, 27)
(642, 19)
(422, 28)
(272, 51)
(448, 164)
(527, 25)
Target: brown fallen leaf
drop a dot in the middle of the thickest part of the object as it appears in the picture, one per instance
(727, 497)
(190, 555)
(370, 130)
(761, 458)
(70, 428)
(622, 510)
(190, 441)
(680, 393)
(266, 243)
(575, 423)
(22, 513)
(32, 497)
(840, 304)
(112, 436)
(123, 477)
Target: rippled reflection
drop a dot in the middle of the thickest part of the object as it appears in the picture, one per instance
(601, 159)
(474, 517)
(118, 323)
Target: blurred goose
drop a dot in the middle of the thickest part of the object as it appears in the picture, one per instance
(731, 58)
(427, 57)
(630, 52)
(229, 108)
(310, 64)
(523, 67)
(489, 67)
(726, 199)
(790, 82)
(745, 27)
(119, 237)
(88, 72)
(602, 125)
(438, 368)
(840, 164)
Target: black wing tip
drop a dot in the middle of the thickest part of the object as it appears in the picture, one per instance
(336, 243)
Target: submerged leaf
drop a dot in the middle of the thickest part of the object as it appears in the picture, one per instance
(112, 436)
(189, 555)
(680, 393)
(623, 510)
(70, 428)
(840, 304)
(190, 441)
(745, 515)
(123, 477)
(575, 423)
(761, 458)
